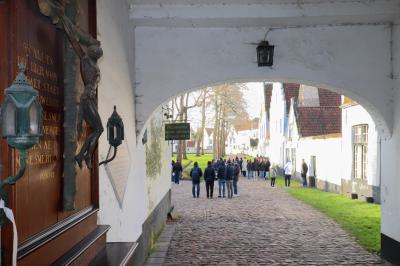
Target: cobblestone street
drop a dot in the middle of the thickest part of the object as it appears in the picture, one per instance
(264, 226)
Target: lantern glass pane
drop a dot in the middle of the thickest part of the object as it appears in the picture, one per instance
(34, 119)
(9, 120)
(110, 133)
(120, 133)
(115, 132)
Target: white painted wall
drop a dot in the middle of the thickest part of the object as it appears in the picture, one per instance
(327, 152)
(357, 115)
(156, 154)
(390, 179)
(170, 61)
(276, 126)
(239, 142)
(337, 45)
(116, 88)
(263, 133)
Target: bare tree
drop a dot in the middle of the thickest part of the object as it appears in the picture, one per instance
(230, 109)
(200, 136)
(182, 116)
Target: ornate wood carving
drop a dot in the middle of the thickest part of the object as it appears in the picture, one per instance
(89, 51)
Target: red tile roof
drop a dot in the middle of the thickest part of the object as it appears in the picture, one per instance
(316, 121)
(328, 98)
(291, 90)
(190, 143)
(248, 125)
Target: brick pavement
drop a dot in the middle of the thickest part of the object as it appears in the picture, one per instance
(264, 226)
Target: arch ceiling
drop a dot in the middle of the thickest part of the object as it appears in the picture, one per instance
(344, 46)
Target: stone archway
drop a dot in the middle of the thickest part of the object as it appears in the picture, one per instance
(317, 56)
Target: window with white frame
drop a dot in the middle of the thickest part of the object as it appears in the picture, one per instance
(360, 147)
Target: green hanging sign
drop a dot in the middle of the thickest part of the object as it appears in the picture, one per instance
(177, 131)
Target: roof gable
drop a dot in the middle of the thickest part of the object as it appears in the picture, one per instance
(316, 121)
(328, 98)
(290, 90)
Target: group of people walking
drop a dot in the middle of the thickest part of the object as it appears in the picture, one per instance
(227, 173)
(259, 167)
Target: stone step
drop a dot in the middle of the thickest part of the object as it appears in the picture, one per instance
(115, 254)
(83, 252)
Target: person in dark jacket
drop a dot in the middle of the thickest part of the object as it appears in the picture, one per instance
(257, 167)
(261, 167)
(267, 167)
(229, 179)
(209, 176)
(304, 170)
(172, 171)
(249, 169)
(221, 179)
(195, 174)
(177, 171)
(236, 172)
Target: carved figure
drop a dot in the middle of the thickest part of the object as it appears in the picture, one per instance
(90, 75)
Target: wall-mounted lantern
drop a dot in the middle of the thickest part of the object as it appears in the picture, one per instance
(115, 133)
(265, 54)
(21, 121)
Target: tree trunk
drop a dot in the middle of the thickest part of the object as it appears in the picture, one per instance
(216, 128)
(179, 154)
(179, 151)
(185, 141)
(203, 124)
(220, 130)
(198, 147)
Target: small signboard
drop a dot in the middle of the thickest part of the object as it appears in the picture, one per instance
(177, 131)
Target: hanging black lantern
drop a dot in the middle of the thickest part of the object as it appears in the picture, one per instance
(265, 54)
(115, 133)
(115, 129)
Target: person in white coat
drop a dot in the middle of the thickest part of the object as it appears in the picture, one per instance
(288, 173)
(244, 167)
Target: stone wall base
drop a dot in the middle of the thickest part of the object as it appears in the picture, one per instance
(356, 188)
(327, 186)
(361, 189)
(390, 249)
(153, 224)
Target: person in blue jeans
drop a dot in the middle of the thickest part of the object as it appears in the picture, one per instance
(221, 174)
(195, 174)
(229, 179)
(304, 170)
(236, 173)
(176, 171)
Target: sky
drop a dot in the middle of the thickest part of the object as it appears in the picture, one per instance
(254, 97)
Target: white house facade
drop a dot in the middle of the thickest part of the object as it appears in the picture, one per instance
(277, 113)
(263, 127)
(208, 140)
(361, 152)
(314, 134)
(238, 141)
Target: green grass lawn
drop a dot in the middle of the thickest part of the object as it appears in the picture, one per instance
(201, 160)
(360, 219)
